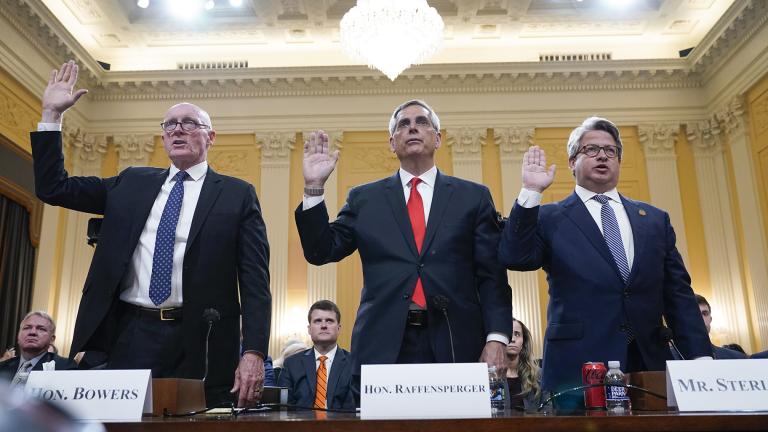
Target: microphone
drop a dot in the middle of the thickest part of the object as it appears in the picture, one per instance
(665, 335)
(441, 302)
(210, 316)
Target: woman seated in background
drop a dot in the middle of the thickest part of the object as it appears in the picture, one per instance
(523, 374)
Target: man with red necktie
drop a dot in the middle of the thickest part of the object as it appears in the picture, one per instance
(433, 289)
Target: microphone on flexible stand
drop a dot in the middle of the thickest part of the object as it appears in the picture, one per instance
(210, 316)
(441, 302)
(665, 335)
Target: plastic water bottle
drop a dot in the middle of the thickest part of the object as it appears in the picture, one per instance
(616, 396)
(496, 385)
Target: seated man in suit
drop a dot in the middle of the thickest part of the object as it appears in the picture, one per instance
(720, 353)
(36, 333)
(321, 376)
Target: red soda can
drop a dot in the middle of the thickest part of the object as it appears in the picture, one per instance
(593, 373)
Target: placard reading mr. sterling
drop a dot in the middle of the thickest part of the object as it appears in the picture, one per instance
(723, 385)
(414, 391)
(97, 394)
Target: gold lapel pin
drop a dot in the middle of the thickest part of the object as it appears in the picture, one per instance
(642, 212)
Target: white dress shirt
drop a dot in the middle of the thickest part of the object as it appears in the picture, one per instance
(135, 284)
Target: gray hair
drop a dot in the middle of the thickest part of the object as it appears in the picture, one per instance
(431, 113)
(41, 314)
(592, 124)
(205, 118)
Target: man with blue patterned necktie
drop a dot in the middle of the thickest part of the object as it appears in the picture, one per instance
(173, 243)
(611, 262)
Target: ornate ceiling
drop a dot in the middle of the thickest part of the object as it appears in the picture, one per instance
(304, 33)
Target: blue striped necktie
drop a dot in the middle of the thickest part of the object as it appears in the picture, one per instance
(612, 235)
(162, 257)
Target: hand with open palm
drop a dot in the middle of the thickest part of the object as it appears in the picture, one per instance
(536, 176)
(60, 95)
(319, 162)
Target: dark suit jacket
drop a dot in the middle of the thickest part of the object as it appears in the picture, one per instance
(457, 260)
(721, 353)
(299, 375)
(9, 367)
(589, 304)
(227, 246)
(759, 355)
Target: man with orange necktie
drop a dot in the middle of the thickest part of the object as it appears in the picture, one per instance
(320, 377)
(433, 289)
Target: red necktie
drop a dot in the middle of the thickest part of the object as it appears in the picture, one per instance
(416, 214)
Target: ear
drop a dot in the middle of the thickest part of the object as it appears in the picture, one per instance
(391, 143)
(211, 138)
(438, 140)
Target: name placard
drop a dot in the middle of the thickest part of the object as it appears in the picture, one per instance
(104, 395)
(425, 391)
(719, 385)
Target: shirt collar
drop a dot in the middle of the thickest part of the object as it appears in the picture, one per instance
(34, 360)
(330, 354)
(195, 172)
(586, 194)
(427, 177)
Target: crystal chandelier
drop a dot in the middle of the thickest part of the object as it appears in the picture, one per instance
(391, 35)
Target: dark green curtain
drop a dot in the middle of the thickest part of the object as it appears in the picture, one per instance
(17, 262)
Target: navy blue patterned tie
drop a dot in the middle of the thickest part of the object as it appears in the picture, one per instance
(162, 258)
(613, 235)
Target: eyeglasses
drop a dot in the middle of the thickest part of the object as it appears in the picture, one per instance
(591, 150)
(186, 125)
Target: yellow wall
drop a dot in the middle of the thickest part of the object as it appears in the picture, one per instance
(757, 107)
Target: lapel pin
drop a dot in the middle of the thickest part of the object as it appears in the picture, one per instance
(642, 212)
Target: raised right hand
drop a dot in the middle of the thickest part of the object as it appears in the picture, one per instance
(536, 176)
(318, 163)
(59, 95)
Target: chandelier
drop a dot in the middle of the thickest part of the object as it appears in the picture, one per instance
(391, 35)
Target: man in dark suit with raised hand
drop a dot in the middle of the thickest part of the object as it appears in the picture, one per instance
(320, 377)
(173, 243)
(427, 244)
(611, 262)
(37, 332)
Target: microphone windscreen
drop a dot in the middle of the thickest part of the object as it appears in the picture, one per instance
(211, 315)
(440, 301)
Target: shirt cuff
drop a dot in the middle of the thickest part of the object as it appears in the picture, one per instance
(258, 353)
(704, 358)
(311, 201)
(497, 337)
(49, 127)
(528, 198)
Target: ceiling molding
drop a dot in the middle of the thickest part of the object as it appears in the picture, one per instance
(36, 23)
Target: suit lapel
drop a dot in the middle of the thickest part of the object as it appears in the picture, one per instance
(441, 196)
(396, 199)
(208, 195)
(151, 185)
(311, 370)
(44, 359)
(639, 223)
(339, 362)
(578, 213)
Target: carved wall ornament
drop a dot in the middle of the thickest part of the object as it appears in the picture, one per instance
(373, 158)
(276, 146)
(733, 116)
(232, 162)
(705, 136)
(658, 139)
(513, 140)
(466, 141)
(134, 150)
